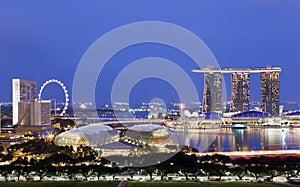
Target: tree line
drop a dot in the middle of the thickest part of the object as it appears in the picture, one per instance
(42, 158)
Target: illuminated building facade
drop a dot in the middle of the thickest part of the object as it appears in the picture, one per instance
(23, 92)
(270, 88)
(27, 110)
(92, 135)
(212, 99)
(240, 92)
(270, 92)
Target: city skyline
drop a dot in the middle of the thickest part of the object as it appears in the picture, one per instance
(136, 92)
(39, 45)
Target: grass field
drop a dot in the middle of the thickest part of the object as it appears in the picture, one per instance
(61, 184)
(138, 184)
(203, 184)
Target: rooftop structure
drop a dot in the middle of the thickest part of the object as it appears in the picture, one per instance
(251, 115)
(238, 70)
(150, 134)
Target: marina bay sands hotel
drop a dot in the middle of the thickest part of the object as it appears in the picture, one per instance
(270, 88)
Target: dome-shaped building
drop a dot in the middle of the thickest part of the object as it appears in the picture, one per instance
(243, 119)
(147, 134)
(89, 135)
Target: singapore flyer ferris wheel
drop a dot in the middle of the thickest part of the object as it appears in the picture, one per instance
(66, 102)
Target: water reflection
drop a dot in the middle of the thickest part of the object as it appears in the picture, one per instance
(228, 139)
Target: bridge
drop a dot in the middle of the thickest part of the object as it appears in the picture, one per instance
(116, 121)
(123, 120)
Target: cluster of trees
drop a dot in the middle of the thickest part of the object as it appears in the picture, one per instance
(42, 158)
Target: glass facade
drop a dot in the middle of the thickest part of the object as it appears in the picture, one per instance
(212, 99)
(240, 92)
(90, 135)
(270, 92)
(23, 91)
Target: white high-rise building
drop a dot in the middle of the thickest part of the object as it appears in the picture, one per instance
(23, 94)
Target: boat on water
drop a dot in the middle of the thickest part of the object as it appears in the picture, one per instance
(239, 125)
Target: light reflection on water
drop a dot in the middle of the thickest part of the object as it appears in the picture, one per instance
(227, 139)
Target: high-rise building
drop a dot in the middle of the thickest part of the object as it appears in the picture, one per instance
(23, 92)
(37, 112)
(212, 99)
(25, 111)
(270, 92)
(240, 92)
(41, 112)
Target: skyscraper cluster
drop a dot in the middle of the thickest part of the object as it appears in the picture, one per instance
(270, 89)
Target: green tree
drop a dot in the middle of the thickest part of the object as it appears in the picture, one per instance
(239, 172)
(274, 167)
(150, 170)
(257, 171)
(207, 170)
(5, 171)
(186, 164)
(27, 172)
(85, 170)
(291, 167)
(42, 168)
(240, 167)
(165, 168)
(18, 166)
(99, 170)
(215, 165)
(70, 171)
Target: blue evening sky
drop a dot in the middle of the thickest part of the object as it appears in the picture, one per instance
(45, 39)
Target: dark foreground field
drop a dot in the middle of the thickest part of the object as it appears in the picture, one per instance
(139, 184)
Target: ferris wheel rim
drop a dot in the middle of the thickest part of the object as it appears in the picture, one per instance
(62, 85)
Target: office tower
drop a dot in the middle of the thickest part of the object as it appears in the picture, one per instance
(37, 112)
(24, 113)
(41, 112)
(212, 99)
(270, 92)
(23, 93)
(240, 92)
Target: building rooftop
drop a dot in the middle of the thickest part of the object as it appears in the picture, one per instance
(250, 115)
(92, 135)
(294, 113)
(146, 128)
